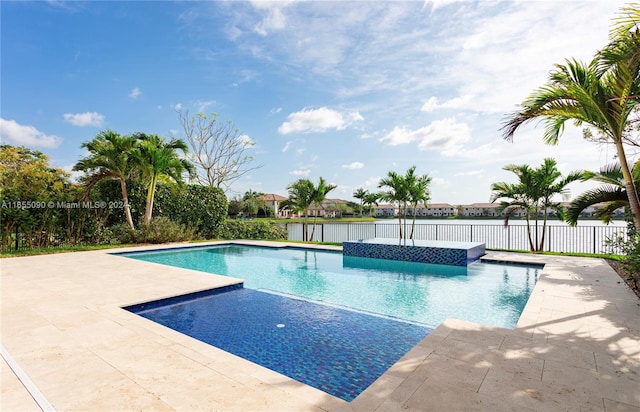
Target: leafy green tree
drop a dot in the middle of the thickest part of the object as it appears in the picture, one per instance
(111, 156)
(360, 194)
(602, 94)
(27, 185)
(612, 193)
(252, 203)
(533, 193)
(159, 159)
(201, 208)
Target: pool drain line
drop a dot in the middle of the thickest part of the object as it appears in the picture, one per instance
(31, 387)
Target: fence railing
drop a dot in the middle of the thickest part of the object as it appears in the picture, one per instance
(564, 239)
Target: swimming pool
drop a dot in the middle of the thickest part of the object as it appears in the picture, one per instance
(333, 322)
(488, 293)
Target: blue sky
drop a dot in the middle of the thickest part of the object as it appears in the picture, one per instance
(342, 90)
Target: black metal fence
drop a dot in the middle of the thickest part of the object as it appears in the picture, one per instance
(565, 239)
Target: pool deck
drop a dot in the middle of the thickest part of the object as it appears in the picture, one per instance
(576, 346)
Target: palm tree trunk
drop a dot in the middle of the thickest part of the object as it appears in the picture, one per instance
(125, 199)
(400, 219)
(536, 227)
(632, 194)
(413, 223)
(313, 230)
(544, 231)
(151, 192)
(531, 247)
(404, 208)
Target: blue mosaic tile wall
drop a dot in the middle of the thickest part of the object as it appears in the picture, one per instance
(444, 254)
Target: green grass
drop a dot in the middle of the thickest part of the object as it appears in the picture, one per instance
(60, 249)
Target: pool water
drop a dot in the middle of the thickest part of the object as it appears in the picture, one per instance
(338, 351)
(333, 322)
(488, 293)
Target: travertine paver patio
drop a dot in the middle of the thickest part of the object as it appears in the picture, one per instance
(576, 347)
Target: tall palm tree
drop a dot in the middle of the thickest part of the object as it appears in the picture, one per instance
(551, 183)
(301, 194)
(110, 157)
(612, 193)
(602, 94)
(418, 192)
(396, 193)
(534, 193)
(360, 193)
(159, 159)
(516, 196)
(319, 195)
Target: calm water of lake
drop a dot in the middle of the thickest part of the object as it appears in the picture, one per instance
(500, 222)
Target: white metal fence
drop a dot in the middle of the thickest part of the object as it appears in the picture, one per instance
(580, 239)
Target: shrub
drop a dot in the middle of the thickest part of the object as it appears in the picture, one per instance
(163, 230)
(630, 249)
(255, 229)
(122, 233)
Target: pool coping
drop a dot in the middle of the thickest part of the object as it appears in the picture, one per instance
(576, 346)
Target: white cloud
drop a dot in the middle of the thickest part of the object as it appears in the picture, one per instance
(273, 20)
(203, 105)
(354, 165)
(135, 93)
(84, 119)
(470, 173)
(436, 4)
(14, 133)
(275, 110)
(286, 146)
(318, 121)
(300, 172)
(461, 102)
(446, 136)
(246, 141)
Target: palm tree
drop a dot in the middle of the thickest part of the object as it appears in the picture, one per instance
(360, 193)
(396, 193)
(612, 193)
(418, 190)
(301, 194)
(318, 196)
(158, 160)
(602, 94)
(110, 157)
(534, 193)
(517, 195)
(371, 199)
(551, 183)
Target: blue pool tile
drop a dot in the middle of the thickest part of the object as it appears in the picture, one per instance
(335, 350)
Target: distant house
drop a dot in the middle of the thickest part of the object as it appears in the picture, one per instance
(434, 210)
(385, 210)
(273, 201)
(328, 208)
(486, 210)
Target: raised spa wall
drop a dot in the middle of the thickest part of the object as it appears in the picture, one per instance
(423, 251)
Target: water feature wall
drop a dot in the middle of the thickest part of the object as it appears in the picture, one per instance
(424, 251)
